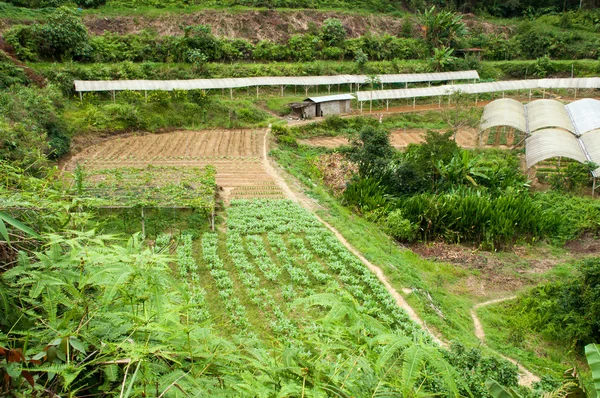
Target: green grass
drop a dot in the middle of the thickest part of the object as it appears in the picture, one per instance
(433, 283)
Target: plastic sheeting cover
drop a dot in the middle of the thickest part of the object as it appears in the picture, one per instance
(546, 113)
(549, 143)
(585, 114)
(504, 112)
(209, 84)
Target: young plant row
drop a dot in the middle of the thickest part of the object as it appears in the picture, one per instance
(234, 307)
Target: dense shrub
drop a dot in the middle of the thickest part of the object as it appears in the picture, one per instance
(567, 311)
(62, 36)
(30, 125)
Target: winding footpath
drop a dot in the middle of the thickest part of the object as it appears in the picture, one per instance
(526, 378)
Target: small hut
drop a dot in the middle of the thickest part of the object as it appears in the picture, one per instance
(322, 106)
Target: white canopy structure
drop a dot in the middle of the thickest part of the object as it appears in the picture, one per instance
(549, 143)
(585, 114)
(504, 112)
(241, 82)
(479, 88)
(553, 129)
(546, 113)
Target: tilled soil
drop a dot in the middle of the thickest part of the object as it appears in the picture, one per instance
(236, 154)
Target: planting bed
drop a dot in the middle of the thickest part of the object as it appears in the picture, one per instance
(236, 155)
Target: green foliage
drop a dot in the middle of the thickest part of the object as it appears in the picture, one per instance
(442, 28)
(372, 151)
(475, 216)
(151, 186)
(399, 227)
(333, 32)
(442, 58)
(367, 195)
(573, 178)
(30, 125)
(565, 312)
(592, 352)
(62, 36)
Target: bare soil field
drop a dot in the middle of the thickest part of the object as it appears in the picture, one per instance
(466, 137)
(236, 154)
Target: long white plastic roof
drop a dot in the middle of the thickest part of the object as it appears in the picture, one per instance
(478, 88)
(591, 143)
(585, 114)
(549, 143)
(504, 112)
(208, 84)
(546, 113)
(326, 98)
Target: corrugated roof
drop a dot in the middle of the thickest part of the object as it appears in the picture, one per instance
(585, 114)
(546, 113)
(479, 88)
(549, 143)
(327, 98)
(504, 112)
(591, 143)
(239, 82)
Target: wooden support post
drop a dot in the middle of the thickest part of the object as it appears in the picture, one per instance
(306, 91)
(387, 105)
(529, 94)
(475, 99)
(544, 93)
(231, 93)
(113, 95)
(329, 89)
(146, 95)
(575, 92)
(414, 102)
(256, 92)
(282, 91)
(143, 224)
(440, 102)
(503, 94)
(80, 96)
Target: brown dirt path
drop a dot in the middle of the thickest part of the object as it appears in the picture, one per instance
(308, 204)
(526, 378)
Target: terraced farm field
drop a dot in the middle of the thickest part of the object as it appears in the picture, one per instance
(236, 155)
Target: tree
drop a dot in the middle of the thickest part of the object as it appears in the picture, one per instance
(373, 151)
(63, 36)
(333, 32)
(361, 59)
(442, 28)
(459, 112)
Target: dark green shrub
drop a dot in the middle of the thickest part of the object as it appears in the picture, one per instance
(567, 311)
(333, 32)
(373, 152)
(62, 36)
